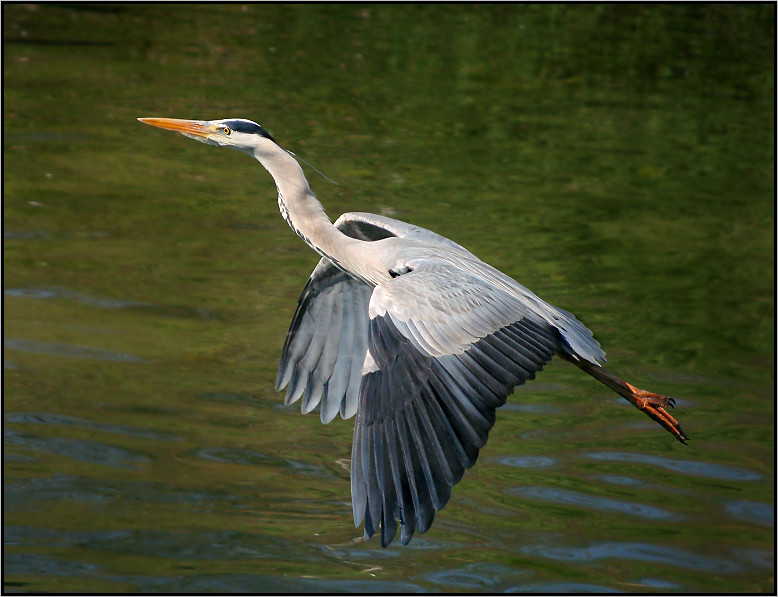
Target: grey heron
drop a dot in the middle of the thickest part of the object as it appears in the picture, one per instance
(414, 335)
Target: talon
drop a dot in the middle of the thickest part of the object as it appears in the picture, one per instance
(654, 406)
(662, 417)
(650, 403)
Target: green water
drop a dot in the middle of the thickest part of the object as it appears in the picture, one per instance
(617, 159)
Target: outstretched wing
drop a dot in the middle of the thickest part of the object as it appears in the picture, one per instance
(424, 360)
(325, 347)
(447, 348)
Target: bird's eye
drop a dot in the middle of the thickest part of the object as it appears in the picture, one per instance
(226, 131)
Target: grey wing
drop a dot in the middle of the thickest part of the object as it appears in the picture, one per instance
(325, 347)
(322, 357)
(447, 349)
(579, 342)
(367, 226)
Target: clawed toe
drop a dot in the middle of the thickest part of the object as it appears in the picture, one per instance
(661, 416)
(654, 406)
(650, 403)
(657, 400)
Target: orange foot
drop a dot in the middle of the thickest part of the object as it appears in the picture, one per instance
(654, 406)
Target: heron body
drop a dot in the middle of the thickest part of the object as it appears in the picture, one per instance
(414, 335)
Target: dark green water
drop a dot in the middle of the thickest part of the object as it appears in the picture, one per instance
(617, 159)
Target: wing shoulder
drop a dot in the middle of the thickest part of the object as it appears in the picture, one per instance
(375, 227)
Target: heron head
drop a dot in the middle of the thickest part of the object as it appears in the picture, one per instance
(237, 133)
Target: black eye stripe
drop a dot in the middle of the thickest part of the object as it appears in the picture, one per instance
(246, 126)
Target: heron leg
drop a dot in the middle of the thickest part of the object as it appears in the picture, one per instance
(652, 404)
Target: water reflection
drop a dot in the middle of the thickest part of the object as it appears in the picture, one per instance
(687, 467)
(69, 350)
(359, 586)
(198, 547)
(563, 587)
(43, 293)
(756, 558)
(29, 293)
(203, 545)
(479, 576)
(756, 512)
(657, 554)
(622, 480)
(111, 303)
(56, 487)
(218, 583)
(88, 451)
(574, 498)
(265, 584)
(25, 234)
(358, 550)
(252, 457)
(658, 583)
(56, 419)
(528, 461)
(32, 563)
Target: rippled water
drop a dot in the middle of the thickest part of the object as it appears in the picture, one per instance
(618, 160)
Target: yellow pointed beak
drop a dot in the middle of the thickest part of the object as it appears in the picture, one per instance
(187, 127)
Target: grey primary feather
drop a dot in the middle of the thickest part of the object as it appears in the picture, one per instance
(325, 345)
(437, 412)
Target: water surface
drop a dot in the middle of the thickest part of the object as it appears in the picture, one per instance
(617, 159)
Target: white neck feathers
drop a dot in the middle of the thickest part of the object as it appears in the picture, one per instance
(306, 216)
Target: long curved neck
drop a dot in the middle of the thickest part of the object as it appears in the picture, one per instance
(306, 216)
